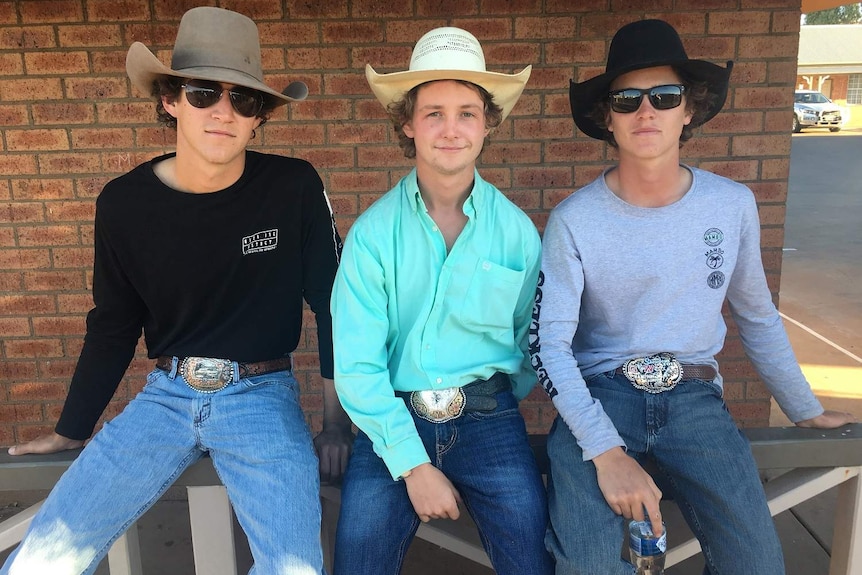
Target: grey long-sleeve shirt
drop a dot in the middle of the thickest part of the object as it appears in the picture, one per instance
(620, 281)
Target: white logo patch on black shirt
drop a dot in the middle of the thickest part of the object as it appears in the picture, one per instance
(260, 242)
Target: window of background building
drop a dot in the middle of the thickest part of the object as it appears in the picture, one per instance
(854, 89)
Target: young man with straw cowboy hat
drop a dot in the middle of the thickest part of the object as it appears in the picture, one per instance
(636, 267)
(210, 251)
(431, 308)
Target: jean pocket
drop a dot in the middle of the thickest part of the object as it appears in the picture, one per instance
(280, 378)
(710, 386)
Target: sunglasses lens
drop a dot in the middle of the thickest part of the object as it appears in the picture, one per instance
(661, 98)
(665, 97)
(201, 95)
(625, 101)
(245, 101)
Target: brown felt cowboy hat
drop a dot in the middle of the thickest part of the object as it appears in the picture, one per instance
(448, 54)
(639, 45)
(212, 44)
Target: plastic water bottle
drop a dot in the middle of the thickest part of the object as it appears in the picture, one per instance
(645, 549)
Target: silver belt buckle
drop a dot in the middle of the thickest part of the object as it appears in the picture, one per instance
(438, 405)
(206, 374)
(654, 373)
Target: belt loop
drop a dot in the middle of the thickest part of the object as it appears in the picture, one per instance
(234, 366)
(175, 364)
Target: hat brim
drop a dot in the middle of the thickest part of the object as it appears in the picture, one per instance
(584, 95)
(506, 88)
(143, 67)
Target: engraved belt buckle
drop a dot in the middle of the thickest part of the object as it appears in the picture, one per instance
(438, 405)
(206, 374)
(654, 373)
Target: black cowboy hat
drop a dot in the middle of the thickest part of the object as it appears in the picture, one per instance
(646, 44)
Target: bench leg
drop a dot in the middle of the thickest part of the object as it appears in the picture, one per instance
(124, 558)
(847, 534)
(212, 530)
(330, 507)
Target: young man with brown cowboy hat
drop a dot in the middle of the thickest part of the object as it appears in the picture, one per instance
(210, 251)
(635, 269)
(431, 308)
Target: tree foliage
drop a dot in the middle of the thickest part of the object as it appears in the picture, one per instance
(847, 14)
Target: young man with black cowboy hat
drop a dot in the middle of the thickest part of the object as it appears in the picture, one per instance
(431, 308)
(210, 251)
(635, 269)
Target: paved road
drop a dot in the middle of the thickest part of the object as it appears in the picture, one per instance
(821, 282)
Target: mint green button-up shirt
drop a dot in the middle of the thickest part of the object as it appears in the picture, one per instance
(408, 316)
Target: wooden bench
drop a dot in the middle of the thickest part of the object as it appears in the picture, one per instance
(804, 462)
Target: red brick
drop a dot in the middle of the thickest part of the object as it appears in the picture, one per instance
(13, 115)
(295, 134)
(87, 36)
(117, 10)
(573, 152)
(383, 59)
(542, 129)
(771, 215)
(257, 10)
(369, 110)
(380, 9)
(769, 191)
(57, 326)
(602, 24)
(782, 72)
(90, 187)
(739, 170)
(365, 200)
(775, 169)
(11, 259)
(110, 62)
(8, 14)
(706, 147)
(513, 56)
(36, 236)
(761, 145)
(334, 157)
(446, 8)
(53, 280)
(750, 72)
(686, 23)
(15, 327)
(101, 138)
(21, 412)
(710, 5)
(545, 28)
(554, 6)
(320, 9)
(485, 29)
(41, 189)
(26, 305)
(10, 281)
(512, 153)
(511, 7)
(63, 113)
(317, 57)
(575, 52)
(30, 391)
(339, 84)
(785, 22)
(409, 31)
(71, 211)
(356, 133)
(11, 65)
(772, 237)
(72, 163)
(734, 123)
(19, 212)
(771, 46)
(126, 112)
(362, 181)
(27, 38)
(289, 33)
(344, 205)
(352, 32)
(750, 413)
(740, 23)
(544, 177)
(65, 258)
(21, 140)
(155, 34)
(31, 90)
(53, 11)
(96, 88)
(10, 370)
(762, 98)
(527, 200)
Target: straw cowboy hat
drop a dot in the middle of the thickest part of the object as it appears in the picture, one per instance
(646, 44)
(212, 44)
(448, 54)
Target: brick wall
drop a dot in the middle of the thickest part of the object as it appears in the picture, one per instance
(69, 121)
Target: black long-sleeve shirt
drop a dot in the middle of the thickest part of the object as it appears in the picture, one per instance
(220, 274)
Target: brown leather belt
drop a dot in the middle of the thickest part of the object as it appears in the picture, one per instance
(165, 363)
(689, 371)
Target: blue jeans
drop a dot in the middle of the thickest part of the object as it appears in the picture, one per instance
(255, 432)
(489, 460)
(703, 459)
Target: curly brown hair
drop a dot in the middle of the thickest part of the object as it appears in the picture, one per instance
(698, 102)
(401, 112)
(169, 87)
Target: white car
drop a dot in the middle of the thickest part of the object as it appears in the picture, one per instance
(811, 109)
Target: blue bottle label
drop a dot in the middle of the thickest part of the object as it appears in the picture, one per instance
(644, 543)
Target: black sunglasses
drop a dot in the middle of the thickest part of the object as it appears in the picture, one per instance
(661, 97)
(203, 94)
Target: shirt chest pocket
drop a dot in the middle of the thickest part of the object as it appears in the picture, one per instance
(491, 297)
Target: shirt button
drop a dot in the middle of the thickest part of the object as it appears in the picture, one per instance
(427, 347)
(439, 380)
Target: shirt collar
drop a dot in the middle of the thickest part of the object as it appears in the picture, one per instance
(474, 201)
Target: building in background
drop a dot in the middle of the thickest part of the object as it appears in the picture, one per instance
(830, 61)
